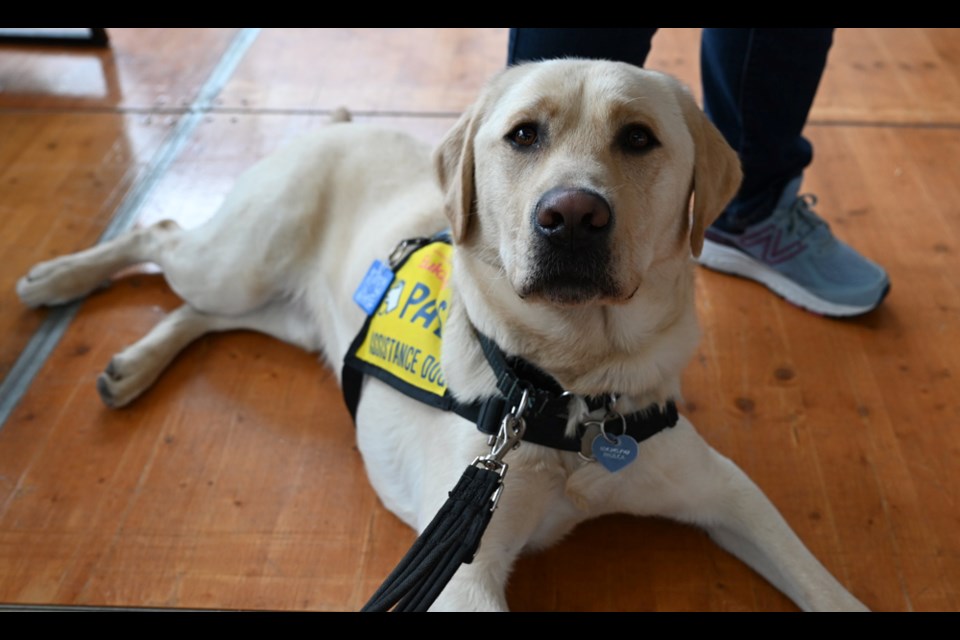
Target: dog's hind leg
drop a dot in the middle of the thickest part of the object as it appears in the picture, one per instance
(214, 278)
(73, 276)
(134, 369)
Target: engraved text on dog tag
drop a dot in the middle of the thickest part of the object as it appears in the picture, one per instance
(615, 452)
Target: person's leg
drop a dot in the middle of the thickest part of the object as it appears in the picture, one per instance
(624, 45)
(759, 85)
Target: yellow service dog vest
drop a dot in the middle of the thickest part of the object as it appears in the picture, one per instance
(407, 309)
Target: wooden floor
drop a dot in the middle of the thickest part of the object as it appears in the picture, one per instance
(235, 483)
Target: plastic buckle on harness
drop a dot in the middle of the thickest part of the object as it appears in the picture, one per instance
(404, 248)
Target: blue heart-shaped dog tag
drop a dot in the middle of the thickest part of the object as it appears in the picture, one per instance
(616, 452)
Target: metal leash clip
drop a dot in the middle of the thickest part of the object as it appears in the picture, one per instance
(507, 439)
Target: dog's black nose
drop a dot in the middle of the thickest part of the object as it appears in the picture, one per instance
(572, 217)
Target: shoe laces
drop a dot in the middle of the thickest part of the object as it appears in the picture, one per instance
(801, 219)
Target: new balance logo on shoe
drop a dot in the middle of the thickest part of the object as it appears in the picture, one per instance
(774, 248)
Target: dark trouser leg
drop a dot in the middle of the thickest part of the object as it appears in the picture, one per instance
(758, 86)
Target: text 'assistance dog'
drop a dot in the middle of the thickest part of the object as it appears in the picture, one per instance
(566, 189)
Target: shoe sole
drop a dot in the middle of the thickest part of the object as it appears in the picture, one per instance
(729, 260)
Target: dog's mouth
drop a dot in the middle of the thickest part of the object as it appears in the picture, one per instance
(571, 280)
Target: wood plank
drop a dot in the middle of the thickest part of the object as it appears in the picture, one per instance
(872, 75)
(141, 69)
(391, 70)
(891, 75)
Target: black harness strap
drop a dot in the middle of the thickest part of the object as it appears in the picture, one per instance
(548, 416)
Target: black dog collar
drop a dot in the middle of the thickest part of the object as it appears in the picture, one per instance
(547, 416)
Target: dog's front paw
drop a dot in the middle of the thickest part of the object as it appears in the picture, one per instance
(123, 380)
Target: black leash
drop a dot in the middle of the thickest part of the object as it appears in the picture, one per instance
(454, 534)
(450, 540)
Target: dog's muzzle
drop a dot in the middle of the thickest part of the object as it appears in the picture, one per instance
(572, 230)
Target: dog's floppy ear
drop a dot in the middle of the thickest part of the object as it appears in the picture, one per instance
(716, 171)
(453, 160)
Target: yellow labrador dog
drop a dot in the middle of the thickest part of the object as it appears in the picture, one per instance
(567, 188)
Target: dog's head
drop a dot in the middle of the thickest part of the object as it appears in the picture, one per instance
(573, 178)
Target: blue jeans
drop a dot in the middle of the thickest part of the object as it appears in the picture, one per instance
(758, 86)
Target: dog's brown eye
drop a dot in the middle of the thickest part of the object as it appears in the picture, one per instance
(638, 138)
(525, 135)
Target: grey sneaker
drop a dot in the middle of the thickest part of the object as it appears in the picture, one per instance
(796, 256)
